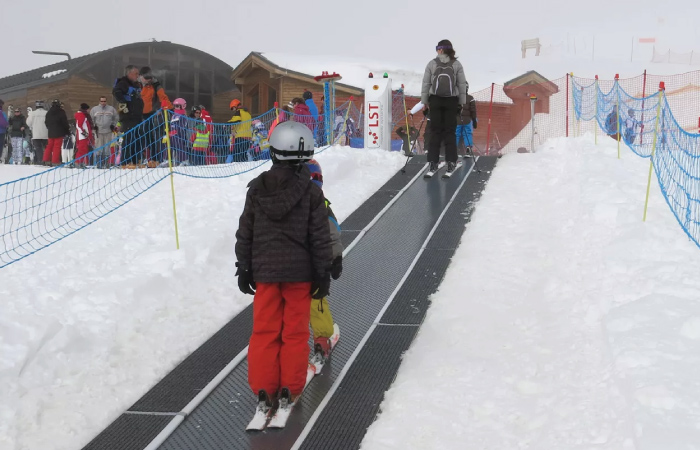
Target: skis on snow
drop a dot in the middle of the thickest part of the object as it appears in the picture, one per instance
(429, 173)
(270, 417)
(457, 166)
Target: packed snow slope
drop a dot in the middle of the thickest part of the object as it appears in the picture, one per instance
(563, 322)
(89, 324)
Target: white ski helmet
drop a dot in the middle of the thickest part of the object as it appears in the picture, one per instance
(291, 141)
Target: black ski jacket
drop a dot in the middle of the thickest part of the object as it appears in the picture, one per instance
(283, 233)
(57, 122)
(128, 92)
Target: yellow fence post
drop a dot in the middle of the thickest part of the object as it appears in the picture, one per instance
(573, 105)
(172, 181)
(617, 91)
(405, 112)
(653, 147)
(595, 122)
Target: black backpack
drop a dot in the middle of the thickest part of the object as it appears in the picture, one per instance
(445, 79)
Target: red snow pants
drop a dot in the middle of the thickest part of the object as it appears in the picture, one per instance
(52, 152)
(82, 150)
(278, 354)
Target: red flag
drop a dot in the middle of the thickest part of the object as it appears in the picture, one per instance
(647, 40)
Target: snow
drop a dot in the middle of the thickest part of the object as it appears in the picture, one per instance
(89, 324)
(355, 71)
(499, 68)
(54, 73)
(564, 321)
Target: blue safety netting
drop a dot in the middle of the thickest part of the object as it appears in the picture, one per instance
(40, 210)
(648, 127)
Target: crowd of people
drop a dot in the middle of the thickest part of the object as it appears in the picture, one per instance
(132, 135)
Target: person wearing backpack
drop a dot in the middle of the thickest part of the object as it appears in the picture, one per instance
(445, 92)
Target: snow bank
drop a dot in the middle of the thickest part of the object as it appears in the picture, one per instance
(563, 322)
(89, 324)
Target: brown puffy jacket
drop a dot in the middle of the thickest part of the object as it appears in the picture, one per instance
(283, 233)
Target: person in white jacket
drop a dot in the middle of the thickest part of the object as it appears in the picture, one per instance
(40, 134)
(105, 118)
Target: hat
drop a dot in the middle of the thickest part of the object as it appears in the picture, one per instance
(235, 103)
(145, 70)
(84, 106)
(316, 172)
(307, 95)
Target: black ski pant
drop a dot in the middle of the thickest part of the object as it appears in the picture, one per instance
(132, 145)
(443, 128)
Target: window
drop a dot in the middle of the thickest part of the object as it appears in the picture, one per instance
(271, 97)
(255, 102)
(205, 81)
(205, 99)
(169, 81)
(186, 80)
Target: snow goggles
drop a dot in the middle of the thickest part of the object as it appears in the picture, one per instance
(443, 47)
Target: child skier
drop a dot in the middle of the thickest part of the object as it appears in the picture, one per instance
(283, 247)
(632, 127)
(466, 123)
(200, 138)
(321, 319)
(611, 124)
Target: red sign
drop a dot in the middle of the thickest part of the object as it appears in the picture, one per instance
(373, 123)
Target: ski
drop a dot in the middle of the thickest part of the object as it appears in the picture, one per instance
(263, 412)
(284, 409)
(430, 174)
(270, 417)
(449, 174)
(318, 360)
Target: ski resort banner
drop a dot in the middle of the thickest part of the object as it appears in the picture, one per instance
(378, 104)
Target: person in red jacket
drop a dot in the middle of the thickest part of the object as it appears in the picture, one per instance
(302, 114)
(83, 135)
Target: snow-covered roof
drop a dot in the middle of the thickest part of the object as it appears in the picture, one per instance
(54, 73)
(353, 70)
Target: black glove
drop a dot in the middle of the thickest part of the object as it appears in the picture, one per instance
(474, 122)
(245, 280)
(337, 267)
(321, 286)
(459, 111)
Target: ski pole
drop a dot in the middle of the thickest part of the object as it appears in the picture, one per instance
(405, 113)
(476, 166)
(410, 155)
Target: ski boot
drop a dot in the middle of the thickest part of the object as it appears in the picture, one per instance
(322, 351)
(263, 411)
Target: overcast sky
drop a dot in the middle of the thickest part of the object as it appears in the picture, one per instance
(406, 30)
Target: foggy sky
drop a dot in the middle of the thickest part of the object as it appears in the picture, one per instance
(400, 31)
